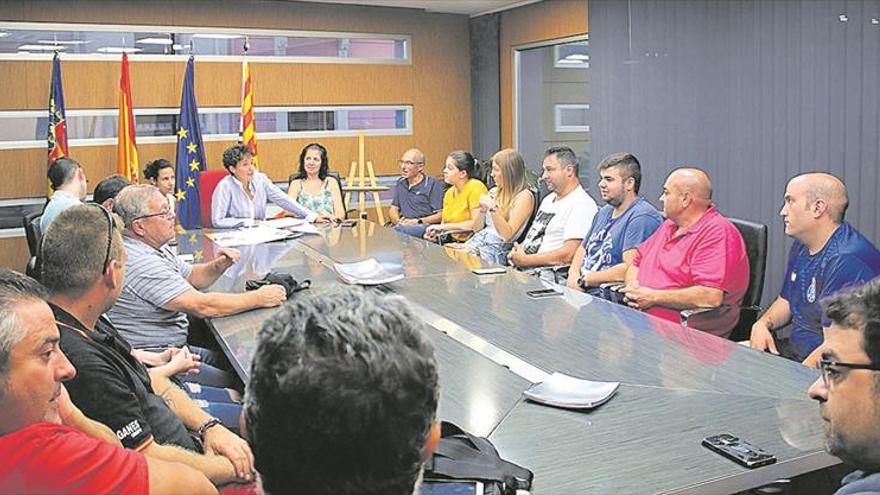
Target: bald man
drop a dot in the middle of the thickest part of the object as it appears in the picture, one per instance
(695, 259)
(418, 199)
(828, 254)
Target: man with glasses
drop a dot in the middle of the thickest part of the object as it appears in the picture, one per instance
(418, 199)
(84, 268)
(161, 290)
(848, 391)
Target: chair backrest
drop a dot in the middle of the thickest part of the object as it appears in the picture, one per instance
(208, 180)
(755, 237)
(31, 224)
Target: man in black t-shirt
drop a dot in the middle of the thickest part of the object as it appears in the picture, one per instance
(84, 269)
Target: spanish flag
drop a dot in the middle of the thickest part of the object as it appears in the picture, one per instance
(126, 156)
(248, 129)
(57, 135)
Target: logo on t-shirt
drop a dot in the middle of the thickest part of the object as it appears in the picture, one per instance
(811, 291)
(130, 430)
(536, 234)
(599, 249)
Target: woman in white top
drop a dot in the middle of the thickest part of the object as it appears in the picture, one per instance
(504, 211)
(312, 187)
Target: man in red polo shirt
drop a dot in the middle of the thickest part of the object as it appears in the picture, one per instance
(695, 259)
(47, 445)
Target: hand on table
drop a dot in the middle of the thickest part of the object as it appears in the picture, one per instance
(639, 297)
(220, 441)
(762, 338)
(269, 296)
(227, 257)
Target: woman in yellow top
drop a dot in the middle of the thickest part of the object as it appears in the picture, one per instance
(461, 201)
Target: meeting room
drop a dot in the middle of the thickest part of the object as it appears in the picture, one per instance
(440, 247)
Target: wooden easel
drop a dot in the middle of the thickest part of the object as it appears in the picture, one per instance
(357, 182)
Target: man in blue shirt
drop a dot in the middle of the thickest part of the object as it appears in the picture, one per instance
(418, 199)
(828, 254)
(68, 181)
(621, 225)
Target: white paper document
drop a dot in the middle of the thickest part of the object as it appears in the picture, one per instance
(561, 390)
(367, 272)
(284, 222)
(248, 236)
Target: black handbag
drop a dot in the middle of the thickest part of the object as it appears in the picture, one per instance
(462, 456)
(289, 283)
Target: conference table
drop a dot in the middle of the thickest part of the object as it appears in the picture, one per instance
(492, 341)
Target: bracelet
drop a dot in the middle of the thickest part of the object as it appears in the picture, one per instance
(206, 426)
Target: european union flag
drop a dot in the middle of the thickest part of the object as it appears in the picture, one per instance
(190, 154)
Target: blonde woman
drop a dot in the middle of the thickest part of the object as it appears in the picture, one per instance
(503, 212)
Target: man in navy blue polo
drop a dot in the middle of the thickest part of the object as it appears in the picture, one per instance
(828, 254)
(418, 199)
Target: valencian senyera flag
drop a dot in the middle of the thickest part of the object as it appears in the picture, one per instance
(190, 154)
(248, 128)
(57, 135)
(126, 155)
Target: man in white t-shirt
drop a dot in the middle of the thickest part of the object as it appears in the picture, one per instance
(562, 220)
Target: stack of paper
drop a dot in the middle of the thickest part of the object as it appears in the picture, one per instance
(561, 390)
(292, 224)
(247, 236)
(367, 272)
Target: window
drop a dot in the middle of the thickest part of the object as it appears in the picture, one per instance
(572, 117)
(27, 129)
(20, 40)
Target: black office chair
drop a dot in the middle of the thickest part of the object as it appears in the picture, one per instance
(31, 224)
(755, 238)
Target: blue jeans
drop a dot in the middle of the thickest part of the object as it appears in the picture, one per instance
(217, 402)
(417, 230)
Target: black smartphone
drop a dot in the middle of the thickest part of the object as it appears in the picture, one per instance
(348, 223)
(540, 293)
(739, 450)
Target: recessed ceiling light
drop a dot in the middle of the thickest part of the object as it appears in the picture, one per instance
(217, 36)
(155, 41)
(843, 18)
(63, 42)
(118, 49)
(44, 48)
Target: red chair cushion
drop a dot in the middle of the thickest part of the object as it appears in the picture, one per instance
(208, 180)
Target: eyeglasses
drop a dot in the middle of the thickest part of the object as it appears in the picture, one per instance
(111, 224)
(167, 214)
(829, 373)
(408, 163)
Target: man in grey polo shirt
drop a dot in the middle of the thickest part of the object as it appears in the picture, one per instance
(160, 289)
(418, 199)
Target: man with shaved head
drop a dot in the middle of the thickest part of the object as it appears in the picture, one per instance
(695, 259)
(418, 199)
(828, 254)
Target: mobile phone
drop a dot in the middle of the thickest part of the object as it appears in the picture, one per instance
(451, 487)
(348, 223)
(489, 270)
(539, 293)
(739, 450)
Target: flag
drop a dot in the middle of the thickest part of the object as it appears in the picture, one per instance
(126, 154)
(248, 129)
(57, 135)
(190, 154)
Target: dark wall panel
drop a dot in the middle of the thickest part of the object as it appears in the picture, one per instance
(753, 91)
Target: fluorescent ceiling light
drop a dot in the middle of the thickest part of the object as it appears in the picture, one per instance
(217, 36)
(63, 42)
(3, 34)
(44, 48)
(180, 47)
(155, 41)
(118, 49)
(578, 56)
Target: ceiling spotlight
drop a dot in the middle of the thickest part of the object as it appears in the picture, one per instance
(875, 21)
(843, 18)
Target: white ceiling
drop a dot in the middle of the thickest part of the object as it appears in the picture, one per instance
(466, 7)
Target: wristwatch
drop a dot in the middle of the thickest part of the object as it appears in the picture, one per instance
(581, 281)
(206, 426)
(419, 220)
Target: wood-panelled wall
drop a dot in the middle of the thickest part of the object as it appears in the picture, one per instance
(547, 20)
(436, 84)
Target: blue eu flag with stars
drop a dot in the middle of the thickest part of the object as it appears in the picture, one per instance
(190, 154)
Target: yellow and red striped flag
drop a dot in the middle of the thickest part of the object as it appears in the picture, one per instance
(126, 156)
(248, 128)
